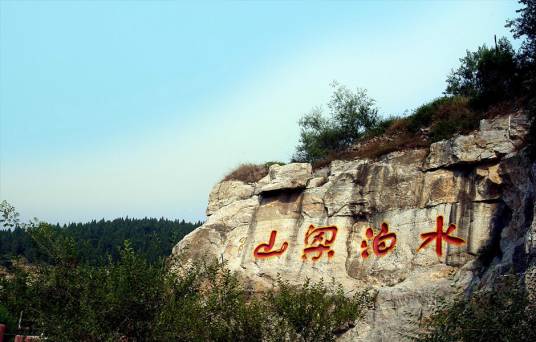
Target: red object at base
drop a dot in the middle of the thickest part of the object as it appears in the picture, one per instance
(18, 338)
(2, 332)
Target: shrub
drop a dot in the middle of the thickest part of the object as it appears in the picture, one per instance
(316, 312)
(445, 117)
(500, 314)
(487, 75)
(454, 116)
(76, 302)
(247, 173)
(250, 173)
(438, 119)
(351, 115)
(383, 126)
(207, 302)
(7, 319)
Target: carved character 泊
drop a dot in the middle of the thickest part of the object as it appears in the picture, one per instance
(379, 242)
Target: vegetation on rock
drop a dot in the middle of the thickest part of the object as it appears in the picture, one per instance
(351, 115)
(249, 172)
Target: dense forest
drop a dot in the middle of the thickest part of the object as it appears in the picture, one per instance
(98, 240)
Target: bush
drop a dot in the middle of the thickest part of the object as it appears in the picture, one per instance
(487, 76)
(351, 115)
(210, 303)
(7, 319)
(445, 117)
(501, 314)
(317, 311)
(247, 173)
(207, 302)
(250, 173)
(383, 126)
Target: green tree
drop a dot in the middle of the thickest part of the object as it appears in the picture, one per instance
(9, 216)
(525, 27)
(351, 114)
(487, 75)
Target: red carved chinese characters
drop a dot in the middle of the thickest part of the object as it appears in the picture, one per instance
(439, 236)
(264, 250)
(319, 240)
(379, 243)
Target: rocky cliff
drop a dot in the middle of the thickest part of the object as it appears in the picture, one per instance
(417, 225)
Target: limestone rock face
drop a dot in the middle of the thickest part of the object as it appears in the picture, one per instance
(360, 222)
(495, 138)
(227, 192)
(285, 177)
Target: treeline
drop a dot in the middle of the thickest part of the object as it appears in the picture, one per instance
(96, 241)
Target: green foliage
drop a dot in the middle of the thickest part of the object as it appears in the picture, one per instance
(525, 27)
(488, 75)
(316, 311)
(86, 303)
(58, 246)
(445, 117)
(351, 115)
(7, 319)
(423, 116)
(382, 126)
(9, 216)
(207, 302)
(501, 314)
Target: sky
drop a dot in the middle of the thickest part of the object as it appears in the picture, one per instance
(117, 108)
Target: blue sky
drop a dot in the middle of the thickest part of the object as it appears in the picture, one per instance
(115, 108)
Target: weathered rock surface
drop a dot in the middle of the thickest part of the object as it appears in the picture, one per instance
(285, 177)
(495, 138)
(227, 192)
(480, 183)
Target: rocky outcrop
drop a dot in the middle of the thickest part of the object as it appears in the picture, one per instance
(285, 177)
(362, 222)
(495, 139)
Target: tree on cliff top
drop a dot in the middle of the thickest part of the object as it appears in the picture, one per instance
(487, 75)
(525, 27)
(351, 114)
